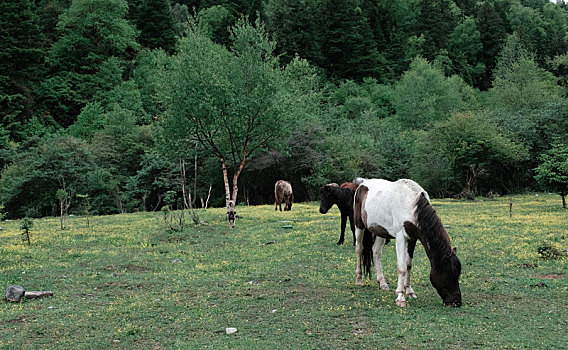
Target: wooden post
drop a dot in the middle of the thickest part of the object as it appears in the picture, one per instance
(510, 208)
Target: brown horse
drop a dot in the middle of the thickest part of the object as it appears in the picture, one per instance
(283, 193)
(350, 185)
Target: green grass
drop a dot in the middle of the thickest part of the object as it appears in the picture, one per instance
(127, 283)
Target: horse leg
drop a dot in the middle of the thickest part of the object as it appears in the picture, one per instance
(377, 255)
(352, 226)
(402, 268)
(411, 246)
(342, 235)
(359, 252)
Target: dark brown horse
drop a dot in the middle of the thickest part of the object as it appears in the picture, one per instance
(283, 193)
(342, 196)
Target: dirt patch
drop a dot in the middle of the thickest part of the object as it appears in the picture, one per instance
(148, 344)
(129, 268)
(359, 326)
(553, 276)
(19, 320)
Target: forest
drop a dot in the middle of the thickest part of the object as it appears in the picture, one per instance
(110, 106)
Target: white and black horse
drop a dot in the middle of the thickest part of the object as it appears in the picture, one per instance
(402, 210)
(342, 196)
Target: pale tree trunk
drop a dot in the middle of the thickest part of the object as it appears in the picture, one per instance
(195, 176)
(231, 198)
(236, 177)
(226, 182)
(188, 202)
(61, 213)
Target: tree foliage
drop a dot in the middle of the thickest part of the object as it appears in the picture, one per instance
(88, 59)
(21, 53)
(463, 152)
(156, 25)
(424, 95)
(112, 99)
(232, 102)
(552, 173)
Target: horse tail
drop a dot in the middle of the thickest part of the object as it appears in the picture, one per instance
(367, 259)
(359, 217)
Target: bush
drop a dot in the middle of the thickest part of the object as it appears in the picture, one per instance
(549, 252)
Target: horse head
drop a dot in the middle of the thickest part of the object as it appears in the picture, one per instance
(328, 197)
(289, 201)
(445, 278)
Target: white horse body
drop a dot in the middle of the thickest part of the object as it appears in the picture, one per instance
(401, 198)
(385, 208)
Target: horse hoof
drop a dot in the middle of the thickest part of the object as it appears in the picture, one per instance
(359, 282)
(401, 303)
(409, 292)
(383, 286)
(340, 243)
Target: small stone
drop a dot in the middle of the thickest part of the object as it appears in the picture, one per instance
(15, 293)
(230, 330)
(177, 261)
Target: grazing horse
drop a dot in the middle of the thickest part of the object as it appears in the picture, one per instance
(283, 193)
(342, 196)
(402, 210)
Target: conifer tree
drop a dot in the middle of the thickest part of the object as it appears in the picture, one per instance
(21, 55)
(492, 34)
(88, 59)
(292, 24)
(156, 25)
(348, 48)
(436, 21)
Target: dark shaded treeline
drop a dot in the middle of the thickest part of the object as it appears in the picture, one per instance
(462, 96)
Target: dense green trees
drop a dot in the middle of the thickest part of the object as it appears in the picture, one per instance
(124, 101)
(156, 25)
(464, 154)
(89, 57)
(21, 54)
(424, 95)
(294, 28)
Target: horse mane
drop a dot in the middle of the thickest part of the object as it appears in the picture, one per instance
(432, 233)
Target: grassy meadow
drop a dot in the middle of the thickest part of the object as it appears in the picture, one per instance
(126, 282)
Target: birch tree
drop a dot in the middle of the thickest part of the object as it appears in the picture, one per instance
(233, 102)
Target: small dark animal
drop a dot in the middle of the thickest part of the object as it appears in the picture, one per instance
(283, 193)
(342, 196)
(231, 214)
